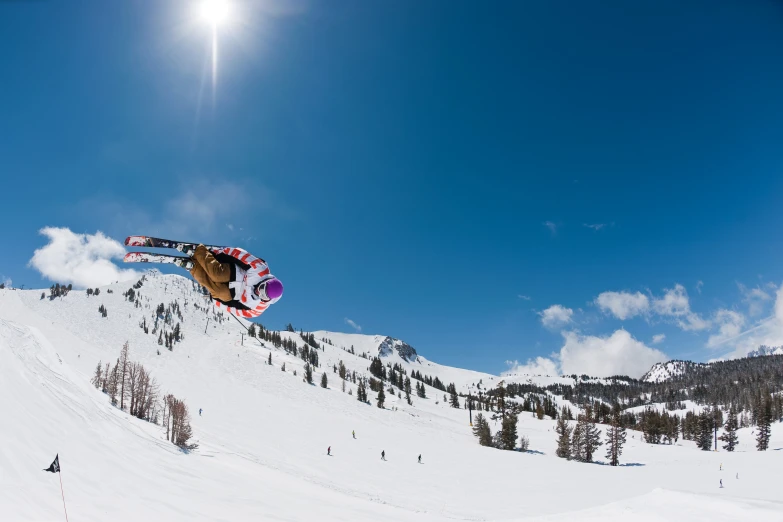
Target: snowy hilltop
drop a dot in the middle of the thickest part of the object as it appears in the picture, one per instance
(664, 371)
(766, 350)
(221, 419)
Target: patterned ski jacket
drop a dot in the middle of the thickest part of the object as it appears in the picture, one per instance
(230, 275)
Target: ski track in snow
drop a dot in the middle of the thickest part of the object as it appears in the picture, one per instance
(264, 434)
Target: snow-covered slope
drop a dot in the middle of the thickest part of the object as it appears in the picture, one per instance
(264, 433)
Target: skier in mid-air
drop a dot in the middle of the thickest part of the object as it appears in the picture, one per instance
(237, 280)
(234, 283)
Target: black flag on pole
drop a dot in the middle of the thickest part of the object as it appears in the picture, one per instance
(55, 467)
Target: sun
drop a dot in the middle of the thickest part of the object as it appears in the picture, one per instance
(214, 12)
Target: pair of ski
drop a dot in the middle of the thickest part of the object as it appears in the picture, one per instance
(156, 242)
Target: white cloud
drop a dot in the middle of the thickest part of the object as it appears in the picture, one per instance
(623, 305)
(551, 226)
(596, 227)
(699, 285)
(658, 338)
(756, 299)
(675, 303)
(197, 211)
(731, 324)
(353, 325)
(537, 366)
(768, 331)
(7, 281)
(196, 207)
(617, 354)
(556, 316)
(83, 260)
(524, 297)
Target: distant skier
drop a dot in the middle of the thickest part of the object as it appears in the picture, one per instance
(199, 412)
(236, 279)
(383, 455)
(353, 433)
(420, 459)
(721, 466)
(721, 482)
(329, 451)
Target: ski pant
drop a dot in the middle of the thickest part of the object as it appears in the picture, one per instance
(211, 273)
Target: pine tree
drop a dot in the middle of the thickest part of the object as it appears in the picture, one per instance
(269, 361)
(508, 433)
(704, 436)
(564, 438)
(454, 399)
(482, 431)
(252, 330)
(764, 422)
(578, 441)
(407, 386)
(381, 397)
(539, 411)
(592, 440)
(377, 369)
(323, 380)
(308, 373)
(615, 438)
(730, 434)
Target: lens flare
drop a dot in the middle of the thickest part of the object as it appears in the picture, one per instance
(214, 11)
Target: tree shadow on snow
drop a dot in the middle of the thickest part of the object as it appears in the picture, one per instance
(534, 452)
(623, 465)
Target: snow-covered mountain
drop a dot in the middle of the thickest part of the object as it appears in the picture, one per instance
(664, 371)
(264, 432)
(766, 350)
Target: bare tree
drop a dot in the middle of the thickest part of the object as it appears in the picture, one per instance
(105, 378)
(177, 421)
(114, 384)
(123, 373)
(146, 396)
(615, 438)
(133, 381)
(97, 379)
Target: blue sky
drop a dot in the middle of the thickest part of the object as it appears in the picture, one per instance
(436, 171)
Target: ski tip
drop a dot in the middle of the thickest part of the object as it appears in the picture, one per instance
(136, 241)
